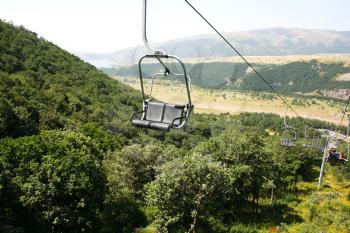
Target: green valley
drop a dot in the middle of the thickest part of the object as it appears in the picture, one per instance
(290, 77)
(70, 161)
(235, 102)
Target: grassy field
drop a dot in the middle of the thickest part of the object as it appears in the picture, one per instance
(324, 207)
(344, 77)
(313, 210)
(224, 101)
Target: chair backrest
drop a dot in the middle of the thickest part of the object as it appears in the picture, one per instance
(172, 112)
(164, 113)
(287, 142)
(155, 111)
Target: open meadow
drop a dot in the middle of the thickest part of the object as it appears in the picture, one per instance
(234, 102)
(278, 60)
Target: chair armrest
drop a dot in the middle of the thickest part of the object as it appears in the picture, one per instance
(136, 113)
(178, 118)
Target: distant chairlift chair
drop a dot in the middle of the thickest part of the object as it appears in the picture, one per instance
(314, 140)
(289, 134)
(341, 146)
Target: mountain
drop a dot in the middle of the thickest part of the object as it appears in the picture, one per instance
(263, 42)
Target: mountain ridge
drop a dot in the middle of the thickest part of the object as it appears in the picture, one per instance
(277, 41)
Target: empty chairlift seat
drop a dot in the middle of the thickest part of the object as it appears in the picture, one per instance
(289, 136)
(163, 116)
(160, 116)
(287, 142)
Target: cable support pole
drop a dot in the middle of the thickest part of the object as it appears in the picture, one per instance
(344, 113)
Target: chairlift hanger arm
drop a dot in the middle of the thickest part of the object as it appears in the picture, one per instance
(145, 40)
(285, 118)
(286, 126)
(144, 29)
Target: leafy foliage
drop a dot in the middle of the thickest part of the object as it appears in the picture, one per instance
(186, 190)
(44, 87)
(57, 176)
(245, 157)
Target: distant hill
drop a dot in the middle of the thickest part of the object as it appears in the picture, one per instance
(294, 77)
(263, 42)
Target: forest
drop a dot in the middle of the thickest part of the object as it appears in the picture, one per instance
(71, 162)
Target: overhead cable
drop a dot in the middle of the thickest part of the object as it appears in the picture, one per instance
(244, 59)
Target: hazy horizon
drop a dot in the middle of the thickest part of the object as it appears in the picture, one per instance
(212, 34)
(106, 26)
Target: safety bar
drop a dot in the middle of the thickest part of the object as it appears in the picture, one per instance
(136, 113)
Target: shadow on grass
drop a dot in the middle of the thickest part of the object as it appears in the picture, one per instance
(311, 170)
(267, 214)
(276, 214)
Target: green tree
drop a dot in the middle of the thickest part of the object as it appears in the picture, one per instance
(58, 177)
(246, 156)
(134, 166)
(128, 171)
(185, 192)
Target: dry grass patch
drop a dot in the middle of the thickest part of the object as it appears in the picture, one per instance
(234, 102)
(323, 58)
(344, 77)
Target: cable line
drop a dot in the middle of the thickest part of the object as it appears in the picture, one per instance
(243, 58)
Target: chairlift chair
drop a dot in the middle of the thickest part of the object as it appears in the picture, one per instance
(340, 147)
(157, 115)
(289, 134)
(341, 143)
(313, 141)
(344, 149)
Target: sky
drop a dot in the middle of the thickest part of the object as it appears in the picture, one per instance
(108, 25)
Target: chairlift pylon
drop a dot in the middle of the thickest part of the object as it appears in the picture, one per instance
(158, 115)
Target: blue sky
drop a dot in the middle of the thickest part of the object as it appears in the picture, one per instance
(109, 25)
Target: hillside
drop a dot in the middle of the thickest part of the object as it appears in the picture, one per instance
(293, 77)
(71, 162)
(263, 42)
(43, 87)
